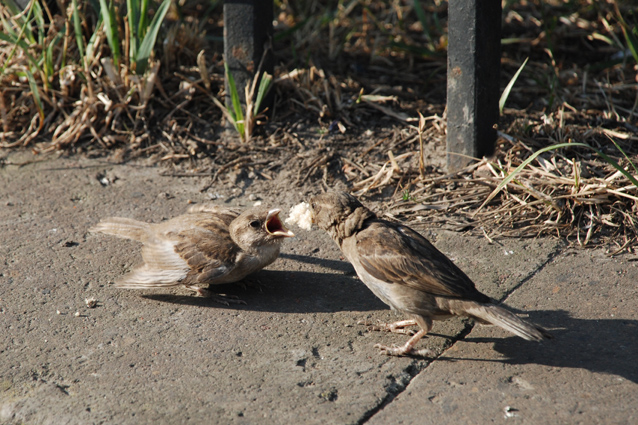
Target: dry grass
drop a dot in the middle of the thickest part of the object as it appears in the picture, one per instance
(352, 78)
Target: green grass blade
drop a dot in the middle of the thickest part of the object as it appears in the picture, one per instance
(264, 87)
(90, 46)
(508, 88)
(49, 55)
(632, 41)
(633, 165)
(23, 21)
(630, 33)
(142, 27)
(613, 164)
(236, 109)
(418, 9)
(226, 113)
(77, 25)
(96, 6)
(281, 35)
(144, 52)
(36, 94)
(17, 43)
(132, 14)
(532, 157)
(38, 17)
(110, 27)
(12, 6)
(6, 27)
(423, 51)
(513, 174)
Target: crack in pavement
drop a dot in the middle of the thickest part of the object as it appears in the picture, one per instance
(550, 259)
(418, 366)
(411, 372)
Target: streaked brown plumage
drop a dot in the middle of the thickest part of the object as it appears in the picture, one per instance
(407, 272)
(208, 245)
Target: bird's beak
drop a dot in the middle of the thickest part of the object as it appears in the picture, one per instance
(275, 227)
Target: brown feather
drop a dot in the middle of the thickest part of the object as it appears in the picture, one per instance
(407, 272)
(208, 245)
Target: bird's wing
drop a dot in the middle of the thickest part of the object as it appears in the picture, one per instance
(223, 214)
(209, 252)
(162, 266)
(397, 254)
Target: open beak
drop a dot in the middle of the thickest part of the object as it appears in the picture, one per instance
(275, 227)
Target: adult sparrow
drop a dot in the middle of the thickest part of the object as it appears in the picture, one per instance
(208, 245)
(408, 273)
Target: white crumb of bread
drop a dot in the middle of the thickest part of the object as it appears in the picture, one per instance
(301, 215)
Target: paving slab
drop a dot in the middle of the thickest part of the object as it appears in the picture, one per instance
(294, 353)
(588, 374)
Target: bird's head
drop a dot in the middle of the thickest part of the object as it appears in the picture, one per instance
(339, 213)
(258, 227)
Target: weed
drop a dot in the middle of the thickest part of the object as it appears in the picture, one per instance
(406, 196)
(244, 121)
(511, 176)
(141, 35)
(508, 88)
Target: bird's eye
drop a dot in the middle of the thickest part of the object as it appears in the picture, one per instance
(313, 206)
(255, 224)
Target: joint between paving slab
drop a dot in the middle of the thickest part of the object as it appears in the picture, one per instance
(412, 371)
(550, 259)
(415, 369)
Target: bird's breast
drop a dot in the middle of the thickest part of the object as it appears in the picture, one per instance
(248, 263)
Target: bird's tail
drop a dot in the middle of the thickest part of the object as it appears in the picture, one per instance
(144, 277)
(507, 320)
(122, 227)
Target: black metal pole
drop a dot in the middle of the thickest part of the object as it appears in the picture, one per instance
(473, 91)
(247, 34)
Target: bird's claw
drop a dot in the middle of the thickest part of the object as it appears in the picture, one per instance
(253, 284)
(403, 351)
(397, 328)
(226, 299)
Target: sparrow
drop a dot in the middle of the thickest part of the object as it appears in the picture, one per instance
(207, 245)
(408, 273)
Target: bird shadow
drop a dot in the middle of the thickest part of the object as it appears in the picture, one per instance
(339, 266)
(284, 291)
(596, 345)
(603, 346)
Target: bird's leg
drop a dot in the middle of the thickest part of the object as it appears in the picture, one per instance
(252, 283)
(396, 327)
(218, 298)
(408, 348)
(199, 291)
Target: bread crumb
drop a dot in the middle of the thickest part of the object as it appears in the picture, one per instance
(301, 215)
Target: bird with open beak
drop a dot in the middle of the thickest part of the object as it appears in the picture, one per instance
(209, 245)
(408, 273)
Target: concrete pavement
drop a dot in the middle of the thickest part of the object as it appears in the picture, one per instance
(294, 353)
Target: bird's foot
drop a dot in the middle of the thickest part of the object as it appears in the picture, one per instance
(218, 298)
(226, 299)
(252, 283)
(404, 350)
(396, 327)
